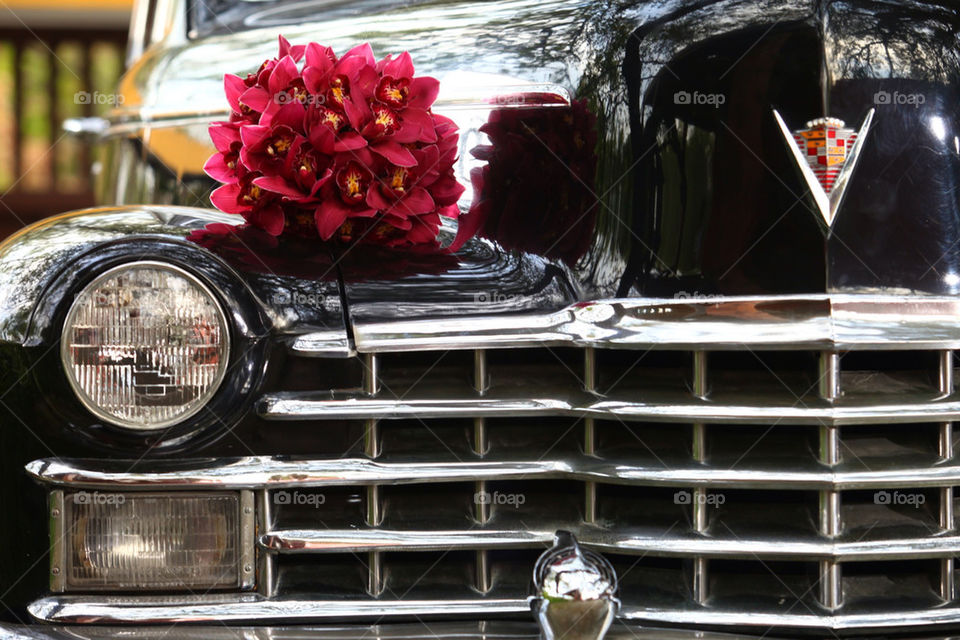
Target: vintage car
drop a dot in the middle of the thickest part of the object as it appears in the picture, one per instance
(698, 358)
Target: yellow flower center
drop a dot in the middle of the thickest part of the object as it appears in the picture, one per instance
(353, 184)
(332, 118)
(398, 179)
(384, 118)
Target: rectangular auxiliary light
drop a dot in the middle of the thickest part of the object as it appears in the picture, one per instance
(176, 541)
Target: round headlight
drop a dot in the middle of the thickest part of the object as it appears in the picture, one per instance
(145, 345)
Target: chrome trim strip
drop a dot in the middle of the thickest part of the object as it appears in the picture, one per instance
(706, 616)
(655, 542)
(780, 408)
(248, 544)
(814, 322)
(467, 630)
(323, 344)
(226, 610)
(58, 542)
(251, 608)
(272, 473)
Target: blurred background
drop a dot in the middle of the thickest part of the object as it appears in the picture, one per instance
(58, 59)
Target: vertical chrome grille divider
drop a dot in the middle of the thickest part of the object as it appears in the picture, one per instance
(371, 447)
(481, 507)
(831, 583)
(699, 502)
(266, 559)
(58, 542)
(589, 435)
(947, 520)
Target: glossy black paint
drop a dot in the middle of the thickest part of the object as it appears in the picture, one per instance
(690, 198)
(719, 204)
(705, 198)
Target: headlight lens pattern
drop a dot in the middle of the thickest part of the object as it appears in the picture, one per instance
(145, 346)
(143, 541)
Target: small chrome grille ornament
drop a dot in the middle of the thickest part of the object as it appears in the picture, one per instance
(576, 589)
(826, 152)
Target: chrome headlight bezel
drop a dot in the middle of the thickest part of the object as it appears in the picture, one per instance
(84, 398)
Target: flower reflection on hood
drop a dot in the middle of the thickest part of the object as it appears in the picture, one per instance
(536, 191)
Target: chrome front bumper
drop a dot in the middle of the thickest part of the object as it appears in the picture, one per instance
(411, 631)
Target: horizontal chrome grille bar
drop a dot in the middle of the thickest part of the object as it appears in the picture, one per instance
(814, 322)
(273, 473)
(211, 609)
(226, 609)
(655, 543)
(780, 409)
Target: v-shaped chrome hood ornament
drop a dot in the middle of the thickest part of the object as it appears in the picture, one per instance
(826, 152)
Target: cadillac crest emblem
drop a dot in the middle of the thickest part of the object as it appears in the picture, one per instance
(826, 152)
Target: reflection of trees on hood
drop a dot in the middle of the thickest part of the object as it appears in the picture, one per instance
(903, 39)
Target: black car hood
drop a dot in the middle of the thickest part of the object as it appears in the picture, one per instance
(683, 199)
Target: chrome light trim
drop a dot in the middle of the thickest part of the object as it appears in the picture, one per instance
(58, 533)
(323, 344)
(811, 322)
(82, 396)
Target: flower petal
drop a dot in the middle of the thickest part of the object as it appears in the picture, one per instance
(320, 57)
(223, 136)
(363, 51)
(423, 92)
(225, 199)
(408, 132)
(469, 224)
(424, 122)
(323, 139)
(254, 135)
(329, 216)
(276, 184)
(399, 67)
(294, 51)
(217, 168)
(256, 98)
(414, 203)
(358, 113)
(394, 153)
(349, 141)
(376, 199)
(447, 190)
(269, 218)
(316, 79)
(233, 87)
(282, 75)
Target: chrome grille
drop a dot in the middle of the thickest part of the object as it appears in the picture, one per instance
(788, 487)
